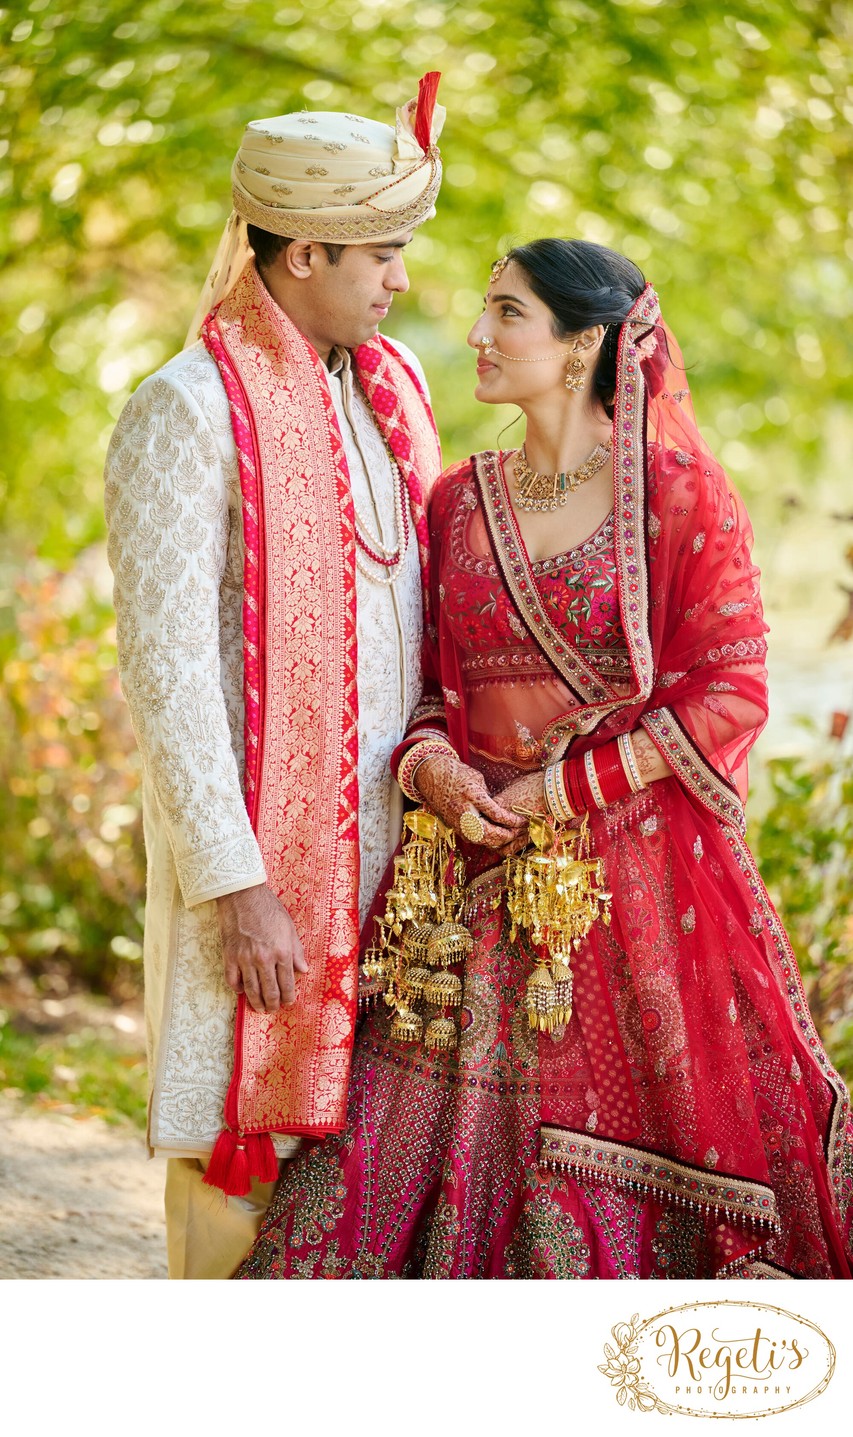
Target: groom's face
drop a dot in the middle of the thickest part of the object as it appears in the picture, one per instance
(352, 297)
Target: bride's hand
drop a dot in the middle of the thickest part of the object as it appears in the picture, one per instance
(527, 792)
(450, 788)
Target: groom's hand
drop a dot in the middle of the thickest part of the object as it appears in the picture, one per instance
(261, 949)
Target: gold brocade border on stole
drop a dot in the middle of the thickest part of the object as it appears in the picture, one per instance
(418, 457)
(295, 1062)
(688, 1186)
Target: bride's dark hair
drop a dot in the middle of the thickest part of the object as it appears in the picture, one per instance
(583, 284)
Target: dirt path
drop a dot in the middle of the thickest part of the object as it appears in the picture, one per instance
(78, 1198)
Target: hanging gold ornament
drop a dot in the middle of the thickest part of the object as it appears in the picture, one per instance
(561, 973)
(419, 936)
(449, 943)
(539, 998)
(416, 942)
(416, 981)
(440, 1035)
(406, 1026)
(443, 989)
(554, 893)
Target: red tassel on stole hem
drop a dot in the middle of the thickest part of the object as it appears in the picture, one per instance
(263, 1163)
(236, 1159)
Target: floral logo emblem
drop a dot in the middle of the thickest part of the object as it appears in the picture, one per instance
(719, 1359)
(624, 1369)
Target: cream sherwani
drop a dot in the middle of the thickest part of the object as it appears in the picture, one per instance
(175, 544)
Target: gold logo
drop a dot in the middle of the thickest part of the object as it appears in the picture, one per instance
(718, 1359)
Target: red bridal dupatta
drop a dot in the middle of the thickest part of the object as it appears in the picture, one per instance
(691, 1069)
(301, 704)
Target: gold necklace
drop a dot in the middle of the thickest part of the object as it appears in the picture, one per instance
(536, 491)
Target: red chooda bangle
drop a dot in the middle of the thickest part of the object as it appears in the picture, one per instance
(577, 785)
(611, 780)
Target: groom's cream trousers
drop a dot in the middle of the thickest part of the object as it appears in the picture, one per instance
(207, 1237)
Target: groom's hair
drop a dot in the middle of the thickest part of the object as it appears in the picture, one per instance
(267, 247)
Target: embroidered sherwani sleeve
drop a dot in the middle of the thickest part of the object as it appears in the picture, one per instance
(168, 518)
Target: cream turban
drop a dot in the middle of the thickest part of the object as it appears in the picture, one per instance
(332, 177)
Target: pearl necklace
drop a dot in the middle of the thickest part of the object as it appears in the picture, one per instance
(371, 545)
(536, 491)
(390, 560)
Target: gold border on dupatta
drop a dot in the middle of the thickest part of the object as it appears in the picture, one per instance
(839, 1156)
(597, 699)
(630, 498)
(692, 768)
(564, 1150)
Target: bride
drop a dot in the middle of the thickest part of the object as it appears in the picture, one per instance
(596, 647)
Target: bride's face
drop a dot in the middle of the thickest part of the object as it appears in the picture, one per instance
(520, 327)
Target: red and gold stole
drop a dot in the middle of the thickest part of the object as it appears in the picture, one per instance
(291, 1068)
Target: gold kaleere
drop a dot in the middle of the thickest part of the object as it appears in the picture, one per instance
(561, 974)
(406, 1026)
(420, 936)
(441, 1035)
(554, 892)
(443, 989)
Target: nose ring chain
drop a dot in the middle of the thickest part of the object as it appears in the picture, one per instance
(488, 346)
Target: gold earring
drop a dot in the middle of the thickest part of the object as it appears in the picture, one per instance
(575, 375)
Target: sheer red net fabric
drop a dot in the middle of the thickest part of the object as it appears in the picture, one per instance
(707, 623)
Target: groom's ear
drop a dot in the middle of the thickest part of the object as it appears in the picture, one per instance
(302, 258)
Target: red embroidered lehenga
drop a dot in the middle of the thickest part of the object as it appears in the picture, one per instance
(686, 1123)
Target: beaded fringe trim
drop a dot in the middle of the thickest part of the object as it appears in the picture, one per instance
(687, 1186)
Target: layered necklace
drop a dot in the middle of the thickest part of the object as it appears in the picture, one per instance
(390, 560)
(536, 491)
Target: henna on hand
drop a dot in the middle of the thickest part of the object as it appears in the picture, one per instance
(527, 791)
(650, 761)
(450, 788)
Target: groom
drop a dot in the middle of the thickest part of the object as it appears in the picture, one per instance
(265, 497)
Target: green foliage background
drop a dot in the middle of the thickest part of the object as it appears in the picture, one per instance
(708, 143)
